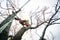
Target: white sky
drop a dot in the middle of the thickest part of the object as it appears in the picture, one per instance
(31, 6)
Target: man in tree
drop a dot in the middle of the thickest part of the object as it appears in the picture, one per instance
(23, 22)
(10, 37)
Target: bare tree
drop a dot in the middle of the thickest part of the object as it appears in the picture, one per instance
(39, 17)
(50, 23)
(5, 25)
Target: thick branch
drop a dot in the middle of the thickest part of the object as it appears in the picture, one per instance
(19, 35)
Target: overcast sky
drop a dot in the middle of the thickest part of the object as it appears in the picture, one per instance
(31, 6)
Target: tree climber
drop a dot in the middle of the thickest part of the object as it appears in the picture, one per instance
(23, 22)
(10, 37)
